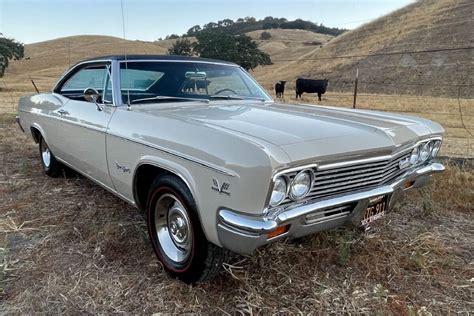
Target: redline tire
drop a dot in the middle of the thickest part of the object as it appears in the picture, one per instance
(203, 260)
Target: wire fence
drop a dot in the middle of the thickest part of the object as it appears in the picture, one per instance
(384, 86)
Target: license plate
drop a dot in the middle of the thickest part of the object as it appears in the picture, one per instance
(375, 210)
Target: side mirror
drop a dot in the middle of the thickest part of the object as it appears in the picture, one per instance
(92, 95)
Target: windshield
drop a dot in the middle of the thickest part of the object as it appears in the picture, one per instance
(153, 81)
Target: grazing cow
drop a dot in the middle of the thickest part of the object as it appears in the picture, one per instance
(280, 88)
(311, 86)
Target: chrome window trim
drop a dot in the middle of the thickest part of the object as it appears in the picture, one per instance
(179, 61)
(119, 96)
(80, 65)
(72, 68)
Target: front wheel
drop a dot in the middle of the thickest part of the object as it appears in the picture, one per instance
(176, 234)
(51, 166)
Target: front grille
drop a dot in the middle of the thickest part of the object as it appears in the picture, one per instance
(354, 177)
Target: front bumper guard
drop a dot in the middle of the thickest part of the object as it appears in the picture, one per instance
(243, 233)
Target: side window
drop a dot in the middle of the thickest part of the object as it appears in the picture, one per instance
(96, 76)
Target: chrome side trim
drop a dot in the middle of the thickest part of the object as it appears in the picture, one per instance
(178, 155)
(106, 187)
(98, 129)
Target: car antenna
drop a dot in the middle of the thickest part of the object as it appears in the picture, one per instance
(129, 107)
(34, 85)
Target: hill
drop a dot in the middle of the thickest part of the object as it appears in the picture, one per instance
(250, 24)
(46, 61)
(423, 25)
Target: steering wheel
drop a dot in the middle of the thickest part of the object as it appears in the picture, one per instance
(222, 90)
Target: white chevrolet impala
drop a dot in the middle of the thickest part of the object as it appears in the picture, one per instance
(214, 163)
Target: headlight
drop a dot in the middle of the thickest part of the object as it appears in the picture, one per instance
(415, 155)
(301, 184)
(425, 151)
(279, 191)
(436, 148)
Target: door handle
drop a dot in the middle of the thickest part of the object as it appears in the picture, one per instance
(63, 112)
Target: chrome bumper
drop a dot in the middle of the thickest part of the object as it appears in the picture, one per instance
(244, 233)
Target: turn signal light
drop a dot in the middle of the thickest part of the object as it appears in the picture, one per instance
(278, 231)
(409, 185)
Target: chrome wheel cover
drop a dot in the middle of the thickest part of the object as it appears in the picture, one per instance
(45, 154)
(173, 228)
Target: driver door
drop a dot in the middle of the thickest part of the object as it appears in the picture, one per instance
(82, 125)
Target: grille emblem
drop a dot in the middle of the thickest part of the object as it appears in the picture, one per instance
(405, 162)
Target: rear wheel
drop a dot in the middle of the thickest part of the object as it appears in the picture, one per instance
(51, 166)
(176, 234)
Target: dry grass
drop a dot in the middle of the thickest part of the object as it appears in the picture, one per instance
(459, 137)
(68, 246)
(423, 25)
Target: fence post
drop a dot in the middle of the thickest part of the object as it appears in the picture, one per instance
(355, 88)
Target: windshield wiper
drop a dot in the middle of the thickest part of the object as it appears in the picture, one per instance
(234, 97)
(165, 98)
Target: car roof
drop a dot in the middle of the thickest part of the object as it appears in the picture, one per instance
(158, 57)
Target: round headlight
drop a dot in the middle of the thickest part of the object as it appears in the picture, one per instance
(301, 185)
(425, 151)
(279, 191)
(415, 155)
(436, 148)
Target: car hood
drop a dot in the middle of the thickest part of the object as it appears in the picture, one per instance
(292, 126)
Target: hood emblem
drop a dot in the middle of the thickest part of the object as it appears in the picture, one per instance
(222, 189)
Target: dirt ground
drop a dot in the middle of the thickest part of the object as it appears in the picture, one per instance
(66, 245)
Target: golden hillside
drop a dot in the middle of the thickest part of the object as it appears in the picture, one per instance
(46, 61)
(423, 25)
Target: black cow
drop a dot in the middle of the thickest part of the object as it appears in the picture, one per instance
(280, 88)
(311, 86)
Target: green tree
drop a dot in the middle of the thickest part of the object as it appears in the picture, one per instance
(239, 49)
(9, 49)
(172, 36)
(195, 29)
(181, 47)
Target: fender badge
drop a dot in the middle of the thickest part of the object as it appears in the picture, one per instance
(222, 189)
(123, 168)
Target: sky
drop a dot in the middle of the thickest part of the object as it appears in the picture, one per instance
(31, 21)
